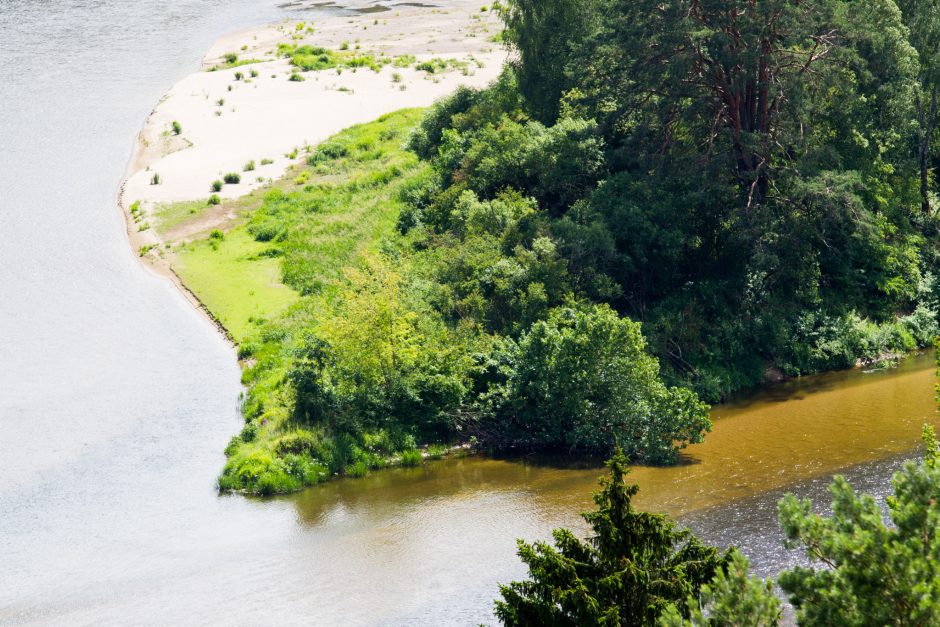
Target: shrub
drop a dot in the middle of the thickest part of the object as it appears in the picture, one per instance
(295, 443)
(216, 185)
(214, 200)
(357, 469)
(267, 161)
(217, 235)
(232, 178)
(297, 78)
(231, 57)
(411, 458)
(155, 179)
(584, 380)
(254, 73)
(249, 432)
(220, 102)
(177, 128)
(239, 76)
(249, 166)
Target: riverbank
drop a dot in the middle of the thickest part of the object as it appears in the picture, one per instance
(253, 111)
(245, 126)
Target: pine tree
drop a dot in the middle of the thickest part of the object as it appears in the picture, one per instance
(873, 573)
(634, 566)
(732, 599)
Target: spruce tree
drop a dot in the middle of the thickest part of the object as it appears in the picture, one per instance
(635, 565)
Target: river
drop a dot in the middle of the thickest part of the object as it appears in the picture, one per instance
(116, 399)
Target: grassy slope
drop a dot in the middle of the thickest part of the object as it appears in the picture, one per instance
(271, 273)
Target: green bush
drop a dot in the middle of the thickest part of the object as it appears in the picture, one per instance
(216, 186)
(583, 380)
(411, 458)
(232, 178)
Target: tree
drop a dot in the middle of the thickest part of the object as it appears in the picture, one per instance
(732, 599)
(378, 360)
(922, 18)
(633, 566)
(872, 573)
(582, 379)
(545, 33)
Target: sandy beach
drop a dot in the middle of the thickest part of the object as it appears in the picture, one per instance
(227, 117)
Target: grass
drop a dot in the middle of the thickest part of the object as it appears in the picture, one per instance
(235, 280)
(411, 458)
(170, 215)
(266, 278)
(312, 59)
(231, 60)
(232, 178)
(438, 65)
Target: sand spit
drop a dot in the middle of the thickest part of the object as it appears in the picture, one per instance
(262, 116)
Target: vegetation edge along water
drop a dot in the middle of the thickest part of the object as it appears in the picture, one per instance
(582, 254)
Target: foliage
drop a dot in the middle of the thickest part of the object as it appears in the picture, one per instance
(583, 380)
(314, 58)
(628, 572)
(872, 572)
(284, 283)
(733, 175)
(732, 599)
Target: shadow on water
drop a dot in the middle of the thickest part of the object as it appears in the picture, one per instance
(799, 388)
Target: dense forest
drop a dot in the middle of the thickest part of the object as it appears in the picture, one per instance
(655, 205)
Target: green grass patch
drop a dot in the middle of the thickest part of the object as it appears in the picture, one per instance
(168, 216)
(438, 65)
(314, 58)
(236, 278)
(231, 60)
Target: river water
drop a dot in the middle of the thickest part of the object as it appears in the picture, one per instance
(116, 399)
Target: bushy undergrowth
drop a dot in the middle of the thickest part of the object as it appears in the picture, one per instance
(345, 211)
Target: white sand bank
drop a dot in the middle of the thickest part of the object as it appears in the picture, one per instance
(227, 122)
